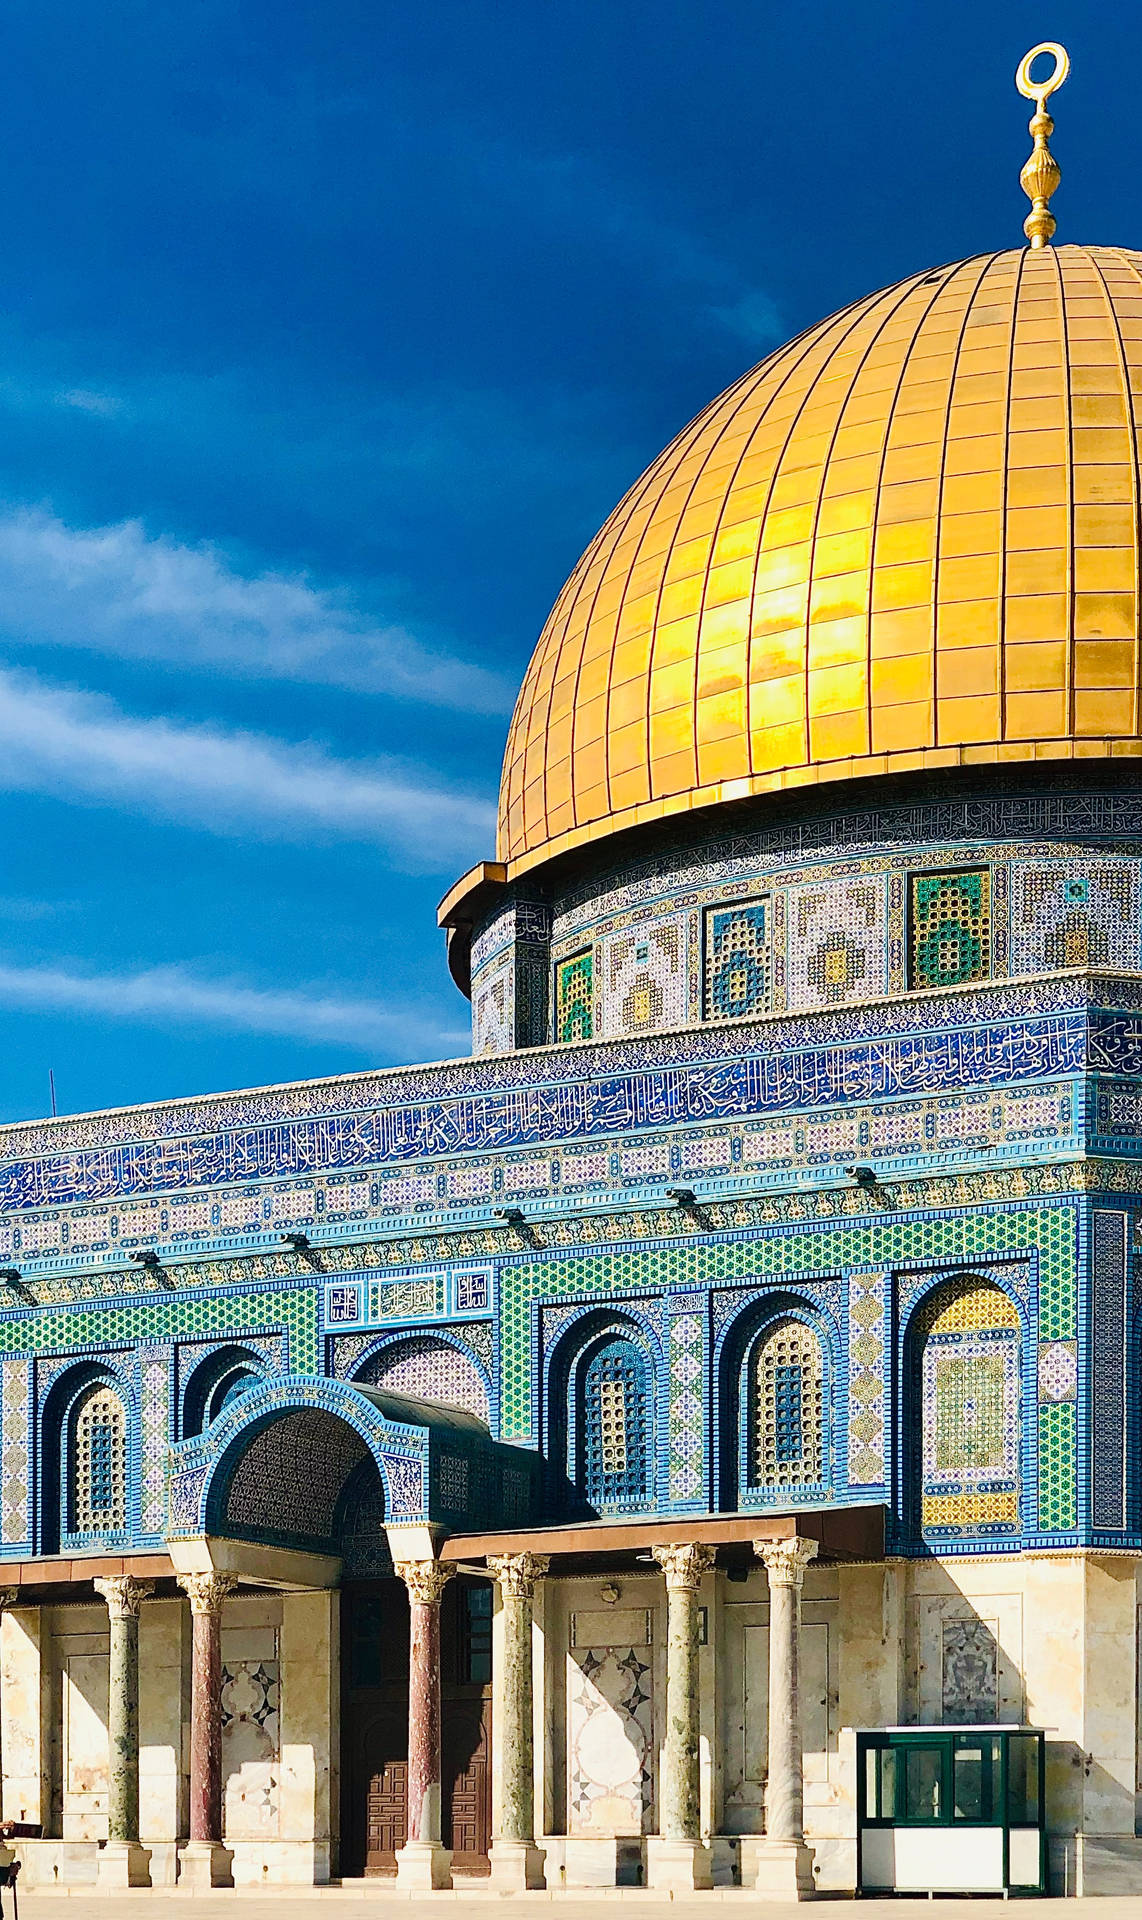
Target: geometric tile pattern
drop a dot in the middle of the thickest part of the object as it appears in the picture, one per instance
(970, 1414)
(575, 998)
(1058, 1371)
(737, 961)
(290, 1476)
(15, 1452)
(493, 1008)
(644, 980)
(836, 943)
(428, 1369)
(1110, 1357)
(154, 1421)
(951, 928)
(1072, 913)
(722, 1072)
(869, 1306)
(686, 1348)
(933, 1240)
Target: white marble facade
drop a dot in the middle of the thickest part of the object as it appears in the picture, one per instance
(1046, 1640)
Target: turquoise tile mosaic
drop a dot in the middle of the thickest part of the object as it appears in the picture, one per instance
(80, 1329)
(927, 1246)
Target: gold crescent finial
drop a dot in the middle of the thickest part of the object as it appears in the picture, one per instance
(1041, 175)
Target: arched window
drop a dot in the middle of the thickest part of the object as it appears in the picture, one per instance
(97, 1463)
(783, 1401)
(969, 1413)
(616, 1426)
(231, 1387)
(215, 1383)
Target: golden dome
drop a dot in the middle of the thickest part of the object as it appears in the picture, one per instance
(907, 540)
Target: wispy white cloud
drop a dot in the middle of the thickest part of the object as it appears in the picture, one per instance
(14, 906)
(85, 401)
(82, 746)
(120, 590)
(165, 995)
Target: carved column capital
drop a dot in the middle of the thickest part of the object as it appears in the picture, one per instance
(206, 1591)
(517, 1573)
(425, 1579)
(9, 1597)
(684, 1564)
(123, 1594)
(785, 1560)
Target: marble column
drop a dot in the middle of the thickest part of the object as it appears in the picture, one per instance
(123, 1862)
(204, 1861)
(785, 1864)
(676, 1858)
(423, 1862)
(516, 1861)
(8, 1598)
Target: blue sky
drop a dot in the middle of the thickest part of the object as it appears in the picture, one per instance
(329, 334)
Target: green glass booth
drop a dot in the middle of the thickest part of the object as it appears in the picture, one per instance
(950, 1810)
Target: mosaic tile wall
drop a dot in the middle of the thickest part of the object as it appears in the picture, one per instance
(428, 1369)
(836, 944)
(737, 961)
(959, 1102)
(971, 1429)
(1111, 1357)
(644, 978)
(575, 998)
(835, 901)
(871, 1254)
(949, 928)
(904, 1079)
(493, 1007)
(882, 1264)
(1074, 914)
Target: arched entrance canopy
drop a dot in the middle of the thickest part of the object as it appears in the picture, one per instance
(304, 1435)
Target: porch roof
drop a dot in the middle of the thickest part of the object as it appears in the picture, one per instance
(841, 1533)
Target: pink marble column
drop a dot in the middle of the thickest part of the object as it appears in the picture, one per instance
(423, 1862)
(205, 1862)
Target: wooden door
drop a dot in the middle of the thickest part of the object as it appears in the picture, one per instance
(386, 1804)
(467, 1782)
(374, 1726)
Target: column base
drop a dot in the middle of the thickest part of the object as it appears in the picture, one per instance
(678, 1866)
(517, 1866)
(424, 1866)
(779, 1869)
(123, 1863)
(204, 1863)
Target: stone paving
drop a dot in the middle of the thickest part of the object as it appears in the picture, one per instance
(309, 1903)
